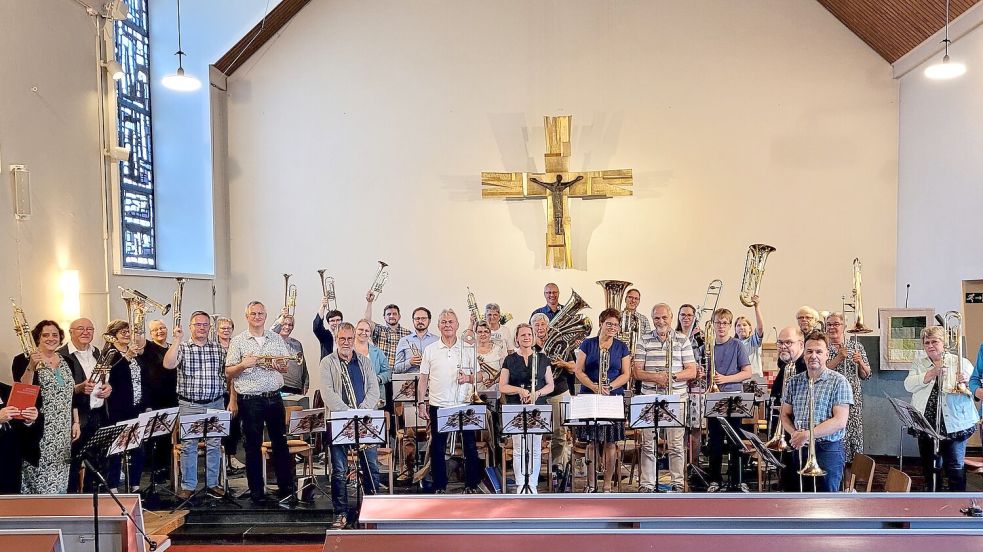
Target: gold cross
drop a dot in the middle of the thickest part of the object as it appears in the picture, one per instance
(557, 185)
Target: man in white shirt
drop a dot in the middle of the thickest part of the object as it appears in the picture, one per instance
(447, 369)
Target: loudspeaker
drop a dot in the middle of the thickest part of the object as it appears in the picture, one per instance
(20, 178)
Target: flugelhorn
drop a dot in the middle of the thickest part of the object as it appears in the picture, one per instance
(176, 302)
(754, 270)
(380, 278)
(289, 295)
(23, 331)
(327, 289)
(858, 305)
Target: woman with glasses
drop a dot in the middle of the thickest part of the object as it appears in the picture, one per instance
(617, 371)
(687, 318)
(848, 357)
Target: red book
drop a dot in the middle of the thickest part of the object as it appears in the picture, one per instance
(23, 396)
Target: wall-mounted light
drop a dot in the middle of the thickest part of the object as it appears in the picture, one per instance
(113, 69)
(118, 153)
(20, 178)
(945, 69)
(179, 81)
(70, 291)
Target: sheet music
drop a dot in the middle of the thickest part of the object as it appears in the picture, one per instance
(645, 409)
(539, 420)
(129, 438)
(217, 421)
(166, 418)
(597, 407)
(307, 421)
(371, 426)
(451, 418)
(404, 387)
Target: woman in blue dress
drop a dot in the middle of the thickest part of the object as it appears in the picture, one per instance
(616, 371)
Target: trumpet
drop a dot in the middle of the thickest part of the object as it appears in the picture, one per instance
(289, 295)
(267, 361)
(327, 289)
(148, 304)
(754, 270)
(473, 307)
(23, 331)
(176, 301)
(811, 467)
(380, 278)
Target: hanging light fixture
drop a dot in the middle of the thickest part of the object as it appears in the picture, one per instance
(945, 69)
(179, 81)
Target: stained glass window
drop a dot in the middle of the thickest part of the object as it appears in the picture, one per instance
(132, 37)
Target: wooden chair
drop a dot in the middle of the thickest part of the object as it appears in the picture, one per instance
(897, 482)
(176, 449)
(294, 446)
(862, 473)
(386, 457)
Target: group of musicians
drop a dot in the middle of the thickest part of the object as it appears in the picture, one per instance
(816, 393)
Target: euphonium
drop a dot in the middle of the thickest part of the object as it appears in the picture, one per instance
(567, 328)
(754, 270)
(327, 289)
(811, 467)
(176, 302)
(380, 278)
(23, 331)
(858, 305)
(711, 341)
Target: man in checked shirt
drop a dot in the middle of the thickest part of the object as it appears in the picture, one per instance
(200, 366)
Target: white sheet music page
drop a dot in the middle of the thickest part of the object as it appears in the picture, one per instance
(597, 407)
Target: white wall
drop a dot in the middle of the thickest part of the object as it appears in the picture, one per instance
(359, 134)
(182, 134)
(939, 181)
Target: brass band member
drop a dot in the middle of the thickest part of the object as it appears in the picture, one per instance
(515, 383)
(650, 369)
(832, 398)
(751, 337)
(790, 345)
(343, 372)
(493, 316)
(296, 379)
(325, 325)
(446, 366)
(732, 367)
(632, 299)
(409, 355)
(490, 352)
(685, 325)
(563, 385)
(850, 359)
(380, 363)
(224, 327)
(807, 319)
(257, 391)
(552, 294)
(959, 415)
(588, 370)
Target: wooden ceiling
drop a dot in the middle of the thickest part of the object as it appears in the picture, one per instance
(266, 29)
(894, 27)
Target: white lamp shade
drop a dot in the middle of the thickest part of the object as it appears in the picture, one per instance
(945, 69)
(181, 82)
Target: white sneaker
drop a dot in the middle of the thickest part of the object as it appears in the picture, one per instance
(235, 464)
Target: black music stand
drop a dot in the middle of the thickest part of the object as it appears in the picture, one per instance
(354, 428)
(404, 391)
(763, 452)
(94, 450)
(598, 414)
(915, 423)
(159, 423)
(199, 426)
(727, 405)
(451, 419)
(308, 422)
(648, 411)
(520, 422)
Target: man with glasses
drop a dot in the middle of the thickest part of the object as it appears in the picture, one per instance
(409, 355)
(790, 344)
(258, 397)
(200, 369)
(552, 294)
(82, 358)
(732, 367)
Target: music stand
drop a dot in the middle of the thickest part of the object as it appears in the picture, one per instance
(307, 423)
(732, 404)
(96, 448)
(763, 452)
(598, 410)
(649, 411)
(526, 420)
(358, 427)
(915, 422)
(461, 418)
(157, 423)
(214, 423)
(404, 391)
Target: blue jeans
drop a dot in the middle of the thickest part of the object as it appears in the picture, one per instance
(189, 449)
(953, 456)
(339, 471)
(832, 459)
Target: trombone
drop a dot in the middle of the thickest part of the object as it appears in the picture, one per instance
(289, 295)
(713, 290)
(857, 302)
(811, 467)
(327, 289)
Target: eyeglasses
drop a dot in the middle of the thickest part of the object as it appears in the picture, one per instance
(201, 324)
(84, 330)
(611, 324)
(833, 324)
(721, 323)
(783, 343)
(345, 339)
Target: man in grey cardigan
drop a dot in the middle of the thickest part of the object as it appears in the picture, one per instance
(345, 373)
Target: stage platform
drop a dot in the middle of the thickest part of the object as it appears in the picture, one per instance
(763, 522)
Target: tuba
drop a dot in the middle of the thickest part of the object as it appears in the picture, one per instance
(289, 295)
(857, 304)
(754, 270)
(23, 331)
(811, 467)
(567, 328)
(380, 278)
(327, 289)
(176, 302)
(614, 293)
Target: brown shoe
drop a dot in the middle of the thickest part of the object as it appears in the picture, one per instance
(184, 494)
(217, 492)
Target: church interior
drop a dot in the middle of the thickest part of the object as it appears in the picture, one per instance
(184, 162)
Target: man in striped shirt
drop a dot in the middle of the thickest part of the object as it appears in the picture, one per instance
(651, 358)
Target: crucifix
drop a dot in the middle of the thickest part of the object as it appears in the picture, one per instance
(557, 185)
